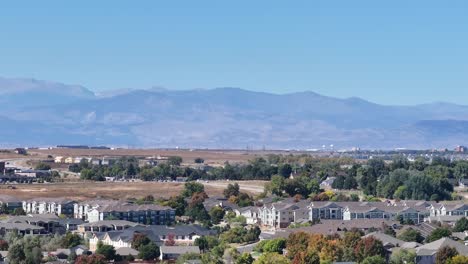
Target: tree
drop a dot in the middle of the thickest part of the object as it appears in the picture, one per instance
(245, 258)
(91, 259)
(199, 160)
(231, 190)
(403, 256)
(297, 243)
(16, 254)
(174, 160)
(369, 246)
(3, 245)
(350, 241)
(72, 257)
(276, 185)
(139, 240)
(444, 254)
(170, 240)
(460, 171)
(107, 251)
(19, 211)
(274, 245)
(71, 240)
(191, 188)
(461, 225)
(285, 170)
(308, 257)
(411, 235)
(438, 233)
(33, 256)
(269, 258)
(388, 230)
(216, 213)
(149, 251)
(42, 166)
(459, 259)
(178, 203)
(374, 260)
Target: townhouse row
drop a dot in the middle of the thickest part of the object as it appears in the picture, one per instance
(98, 210)
(282, 214)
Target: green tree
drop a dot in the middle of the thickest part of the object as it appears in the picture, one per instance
(460, 171)
(444, 254)
(461, 225)
(285, 170)
(403, 256)
(33, 256)
(374, 260)
(199, 160)
(178, 203)
(276, 185)
(107, 251)
(232, 190)
(174, 160)
(140, 240)
(459, 259)
(217, 213)
(42, 166)
(149, 251)
(411, 235)
(16, 254)
(274, 245)
(244, 258)
(269, 258)
(191, 188)
(71, 240)
(438, 233)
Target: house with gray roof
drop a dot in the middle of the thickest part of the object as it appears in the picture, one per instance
(174, 252)
(182, 235)
(426, 254)
(10, 202)
(151, 214)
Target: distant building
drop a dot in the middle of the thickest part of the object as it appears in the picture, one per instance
(150, 214)
(11, 202)
(57, 206)
(21, 151)
(460, 149)
(59, 159)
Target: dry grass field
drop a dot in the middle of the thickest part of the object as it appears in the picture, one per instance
(210, 156)
(117, 190)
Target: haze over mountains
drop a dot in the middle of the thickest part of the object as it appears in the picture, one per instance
(43, 113)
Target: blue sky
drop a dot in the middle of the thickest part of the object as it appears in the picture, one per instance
(391, 52)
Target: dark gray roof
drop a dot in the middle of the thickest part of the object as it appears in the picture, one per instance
(179, 249)
(132, 207)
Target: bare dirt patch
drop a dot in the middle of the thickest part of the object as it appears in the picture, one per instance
(118, 190)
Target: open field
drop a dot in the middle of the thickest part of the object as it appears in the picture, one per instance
(118, 190)
(210, 156)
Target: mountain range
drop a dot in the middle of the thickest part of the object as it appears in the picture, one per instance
(44, 113)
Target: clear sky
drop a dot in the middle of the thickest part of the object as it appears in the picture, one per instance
(391, 52)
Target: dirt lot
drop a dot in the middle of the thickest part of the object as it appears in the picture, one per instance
(210, 156)
(117, 190)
